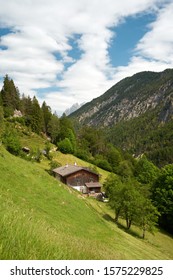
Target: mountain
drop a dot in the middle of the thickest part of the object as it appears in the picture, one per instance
(73, 108)
(136, 114)
(130, 98)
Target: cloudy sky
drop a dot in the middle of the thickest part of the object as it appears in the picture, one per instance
(68, 51)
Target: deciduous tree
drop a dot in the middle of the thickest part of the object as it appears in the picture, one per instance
(162, 195)
(127, 200)
(145, 171)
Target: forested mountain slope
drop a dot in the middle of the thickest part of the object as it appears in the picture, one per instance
(137, 115)
(130, 98)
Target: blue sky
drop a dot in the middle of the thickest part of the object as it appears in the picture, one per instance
(73, 51)
(128, 33)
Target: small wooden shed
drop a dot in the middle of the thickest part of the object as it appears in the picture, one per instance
(93, 187)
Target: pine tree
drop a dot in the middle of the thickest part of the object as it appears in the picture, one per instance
(65, 126)
(26, 108)
(46, 111)
(54, 128)
(36, 116)
(10, 97)
(1, 120)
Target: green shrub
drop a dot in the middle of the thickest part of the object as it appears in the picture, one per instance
(11, 141)
(103, 163)
(53, 164)
(65, 146)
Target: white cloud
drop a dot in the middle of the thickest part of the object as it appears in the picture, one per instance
(154, 50)
(42, 29)
(158, 42)
(58, 100)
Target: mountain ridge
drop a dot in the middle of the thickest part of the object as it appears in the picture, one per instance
(130, 98)
(73, 108)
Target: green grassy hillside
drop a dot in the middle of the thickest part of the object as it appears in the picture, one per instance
(43, 219)
(35, 142)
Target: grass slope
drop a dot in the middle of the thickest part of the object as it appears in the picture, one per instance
(36, 142)
(43, 219)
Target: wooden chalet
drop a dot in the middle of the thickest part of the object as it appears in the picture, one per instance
(80, 178)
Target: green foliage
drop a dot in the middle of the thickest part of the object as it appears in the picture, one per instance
(10, 97)
(147, 130)
(126, 196)
(145, 171)
(91, 140)
(61, 131)
(36, 116)
(128, 201)
(46, 111)
(145, 134)
(92, 146)
(26, 107)
(93, 168)
(132, 90)
(65, 146)
(43, 219)
(114, 157)
(66, 128)
(71, 136)
(125, 169)
(148, 218)
(1, 120)
(20, 120)
(82, 154)
(162, 195)
(47, 150)
(38, 156)
(33, 114)
(103, 163)
(53, 128)
(53, 164)
(113, 187)
(11, 141)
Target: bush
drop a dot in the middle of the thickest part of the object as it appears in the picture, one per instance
(103, 163)
(53, 164)
(47, 150)
(82, 154)
(11, 142)
(65, 146)
(38, 156)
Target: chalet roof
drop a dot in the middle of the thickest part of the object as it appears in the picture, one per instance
(70, 169)
(93, 185)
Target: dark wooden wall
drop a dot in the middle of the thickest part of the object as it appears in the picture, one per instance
(81, 177)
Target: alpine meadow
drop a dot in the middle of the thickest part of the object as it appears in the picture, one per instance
(124, 139)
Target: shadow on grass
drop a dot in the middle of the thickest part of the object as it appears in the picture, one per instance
(130, 231)
(50, 172)
(108, 218)
(163, 231)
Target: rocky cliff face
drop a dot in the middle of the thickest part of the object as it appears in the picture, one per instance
(130, 98)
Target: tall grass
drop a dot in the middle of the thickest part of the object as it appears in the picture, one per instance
(43, 219)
